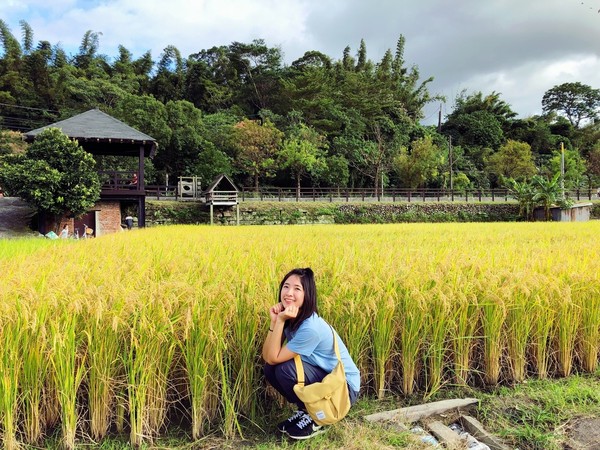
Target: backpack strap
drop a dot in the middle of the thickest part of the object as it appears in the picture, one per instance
(299, 370)
(298, 359)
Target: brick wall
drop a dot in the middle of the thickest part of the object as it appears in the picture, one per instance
(108, 217)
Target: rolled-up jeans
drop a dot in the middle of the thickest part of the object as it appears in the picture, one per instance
(283, 378)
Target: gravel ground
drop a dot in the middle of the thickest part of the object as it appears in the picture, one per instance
(15, 216)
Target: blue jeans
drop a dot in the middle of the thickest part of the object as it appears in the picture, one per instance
(283, 378)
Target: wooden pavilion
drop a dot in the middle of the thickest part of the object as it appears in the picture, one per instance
(101, 134)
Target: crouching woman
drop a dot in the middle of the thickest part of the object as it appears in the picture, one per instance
(295, 318)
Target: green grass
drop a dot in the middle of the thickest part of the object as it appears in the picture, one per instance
(11, 248)
(530, 416)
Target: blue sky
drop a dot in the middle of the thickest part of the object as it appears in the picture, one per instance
(518, 48)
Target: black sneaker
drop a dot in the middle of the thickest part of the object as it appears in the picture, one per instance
(281, 426)
(304, 428)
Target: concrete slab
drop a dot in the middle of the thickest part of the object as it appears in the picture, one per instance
(414, 413)
(475, 428)
(444, 434)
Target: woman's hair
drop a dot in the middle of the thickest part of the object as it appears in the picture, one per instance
(307, 278)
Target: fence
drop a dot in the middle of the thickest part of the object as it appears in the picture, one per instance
(290, 194)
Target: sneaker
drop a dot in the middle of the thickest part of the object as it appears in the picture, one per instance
(281, 426)
(304, 428)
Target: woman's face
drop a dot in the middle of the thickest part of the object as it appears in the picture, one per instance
(292, 292)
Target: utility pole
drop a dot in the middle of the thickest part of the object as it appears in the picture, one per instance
(440, 119)
(562, 169)
(451, 162)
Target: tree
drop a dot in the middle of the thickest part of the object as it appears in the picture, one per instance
(593, 165)
(336, 173)
(547, 191)
(477, 129)
(421, 164)
(210, 163)
(513, 160)
(55, 175)
(303, 153)
(11, 142)
(491, 103)
(257, 145)
(574, 167)
(181, 151)
(522, 192)
(576, 101)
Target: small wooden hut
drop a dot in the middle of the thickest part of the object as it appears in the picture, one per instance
(222, 192)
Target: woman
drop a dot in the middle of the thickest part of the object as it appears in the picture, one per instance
(295, 317)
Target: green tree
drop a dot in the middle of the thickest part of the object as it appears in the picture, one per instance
(55, 175)
(303, 153)
(145, 113)
(576, 101)
(257, 146)
(535, 131)
(336, 173)
(491, 103)
(477, 129)
(211, 162)
(421, 165)
(547, 191)
(513, 160)
(575, 168)
(180, 153)
(523, 193)
(168, 84)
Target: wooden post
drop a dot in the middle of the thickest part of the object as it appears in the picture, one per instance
(211, 213)
(237, 213)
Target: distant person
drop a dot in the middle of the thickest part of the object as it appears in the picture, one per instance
(134, 179)
(129, 222)
(64, 234)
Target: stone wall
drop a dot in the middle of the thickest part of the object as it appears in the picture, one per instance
(287, 213)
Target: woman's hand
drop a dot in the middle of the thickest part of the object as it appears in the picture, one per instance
(291, 312)
(274, 312)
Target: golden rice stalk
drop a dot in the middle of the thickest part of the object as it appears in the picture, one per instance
(383, 330)
(493, 313)
(566, 328)
(518, 329)
(11, 336)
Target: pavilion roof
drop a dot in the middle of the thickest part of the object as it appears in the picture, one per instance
(102, 134)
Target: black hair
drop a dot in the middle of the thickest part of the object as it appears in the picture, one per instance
(307, 279)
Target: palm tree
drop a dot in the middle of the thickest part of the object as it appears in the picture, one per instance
(547, 191)
(523, 193)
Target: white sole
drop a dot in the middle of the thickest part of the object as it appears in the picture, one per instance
(316, 433)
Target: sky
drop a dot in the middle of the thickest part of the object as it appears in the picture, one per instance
(519, 48)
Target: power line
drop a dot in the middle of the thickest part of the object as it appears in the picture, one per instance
(30, 108)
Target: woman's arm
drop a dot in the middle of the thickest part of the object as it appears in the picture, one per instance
(273, 352)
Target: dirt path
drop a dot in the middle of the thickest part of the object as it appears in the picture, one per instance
(15, 216)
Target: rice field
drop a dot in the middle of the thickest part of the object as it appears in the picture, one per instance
(127, 333)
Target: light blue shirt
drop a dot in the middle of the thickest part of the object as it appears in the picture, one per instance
(313, 341)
